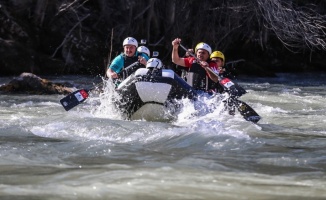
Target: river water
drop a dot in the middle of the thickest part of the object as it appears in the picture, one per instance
(91, 153)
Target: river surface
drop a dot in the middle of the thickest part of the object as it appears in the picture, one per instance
(89, 152)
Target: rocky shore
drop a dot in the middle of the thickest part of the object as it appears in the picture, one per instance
(28, 83)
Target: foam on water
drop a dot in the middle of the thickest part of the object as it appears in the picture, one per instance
(97, 119)
(106, 107)
(87, 153)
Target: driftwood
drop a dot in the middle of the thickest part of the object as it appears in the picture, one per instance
(28, 83)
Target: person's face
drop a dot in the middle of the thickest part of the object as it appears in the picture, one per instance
(129, 50)
(202, 54)
(218, 61)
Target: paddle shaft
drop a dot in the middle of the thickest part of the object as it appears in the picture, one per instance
(130, 66)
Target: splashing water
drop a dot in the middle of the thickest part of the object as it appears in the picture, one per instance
(107, 97)
(179, 112)
(90, 153)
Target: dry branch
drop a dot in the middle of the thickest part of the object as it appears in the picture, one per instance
(68, 35)
(296, 28)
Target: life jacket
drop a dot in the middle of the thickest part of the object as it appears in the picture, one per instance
(197, 78)
(125, 72)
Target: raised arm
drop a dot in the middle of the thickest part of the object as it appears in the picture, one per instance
(175, 55)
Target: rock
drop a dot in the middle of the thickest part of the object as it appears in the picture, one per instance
(29, 83)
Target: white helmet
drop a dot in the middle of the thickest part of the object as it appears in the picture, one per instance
(143, 49)
(204, 46)
(154, 63)
(131, 41)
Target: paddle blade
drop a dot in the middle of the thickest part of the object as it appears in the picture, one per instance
(73, 99)
(232, 88)
(247, 112)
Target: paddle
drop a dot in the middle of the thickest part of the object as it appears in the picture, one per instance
(234, 91)
(77, 97)
(232, 88)
(245, 110)
(73, 99)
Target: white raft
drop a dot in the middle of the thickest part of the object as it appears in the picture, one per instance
(151, 94)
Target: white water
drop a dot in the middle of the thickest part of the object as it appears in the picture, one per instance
(91, 153)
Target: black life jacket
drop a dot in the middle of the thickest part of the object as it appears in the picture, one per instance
(197, 78)
(129, 61)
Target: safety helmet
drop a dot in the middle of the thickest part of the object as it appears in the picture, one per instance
(154, 63)
(218, 54)
(130, 41)
(204, 46)
(143, 49)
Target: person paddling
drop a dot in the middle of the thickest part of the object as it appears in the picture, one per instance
(130, 55)
(198, 76)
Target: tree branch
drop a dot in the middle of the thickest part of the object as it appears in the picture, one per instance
(68, 35)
